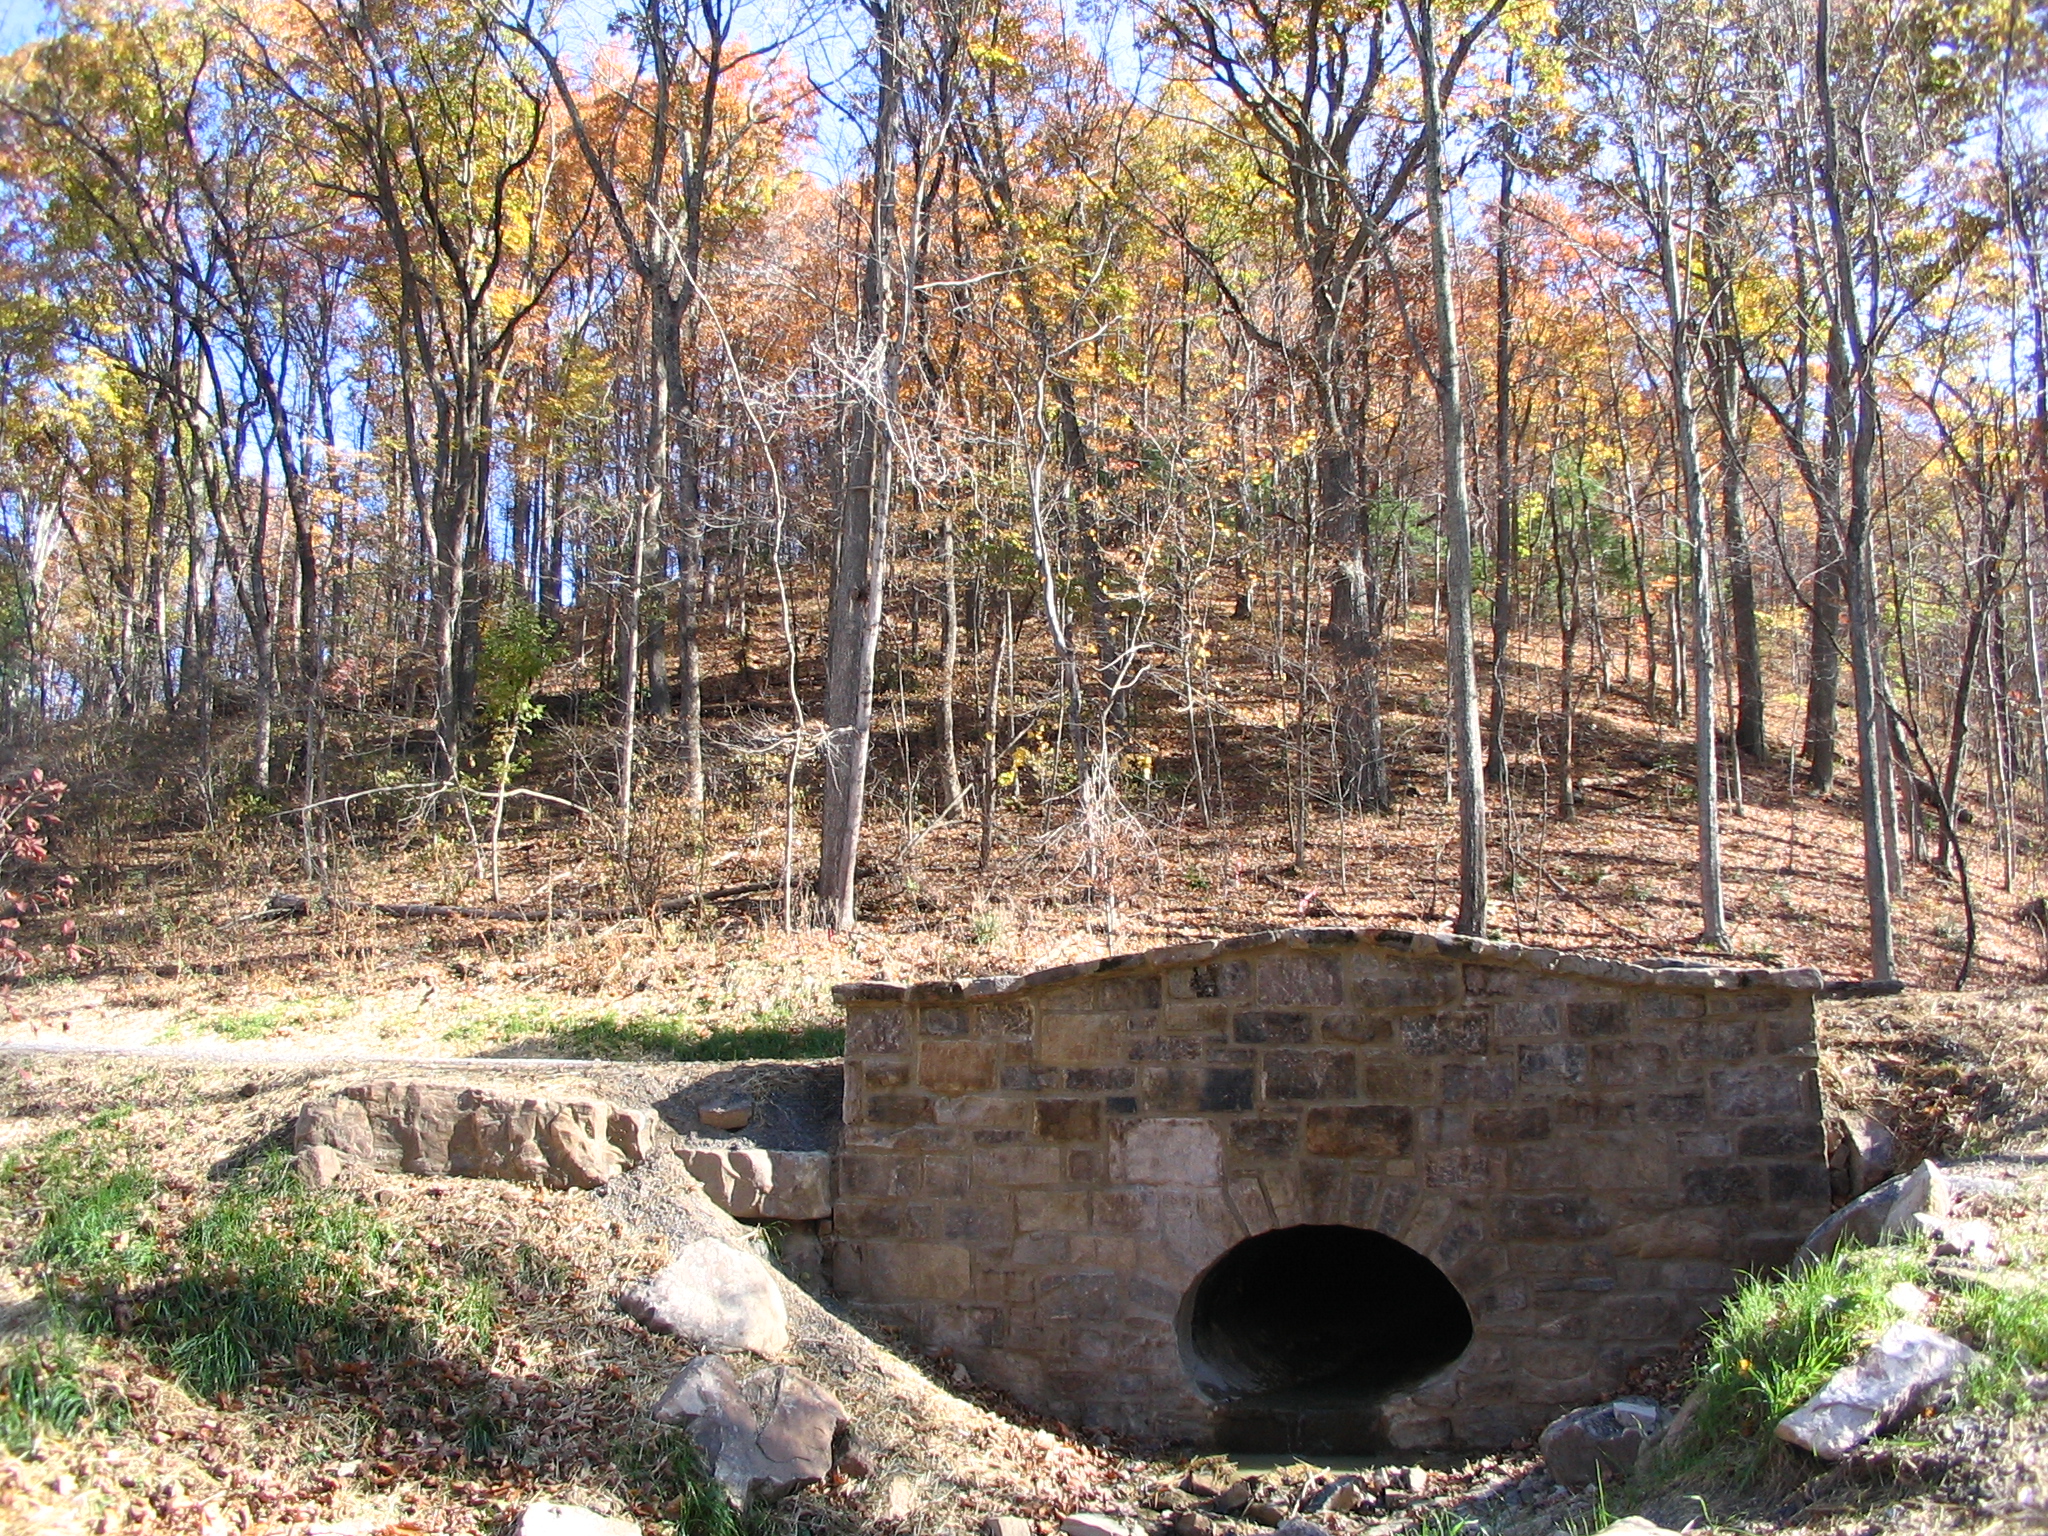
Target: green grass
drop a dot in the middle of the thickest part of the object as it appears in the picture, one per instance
(262, 1023)
(265, 1273)
(781, 1031)
(43, 1392)
(1780, 1339)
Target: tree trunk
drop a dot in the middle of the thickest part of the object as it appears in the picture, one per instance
(854, 616)
(1685, 435)
(1865, 656)
(949, 751)
(1465, 753)
(1503, 484)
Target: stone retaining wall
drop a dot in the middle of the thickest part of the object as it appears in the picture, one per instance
(1036, 1171)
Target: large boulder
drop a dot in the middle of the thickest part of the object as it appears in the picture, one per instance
(478, 1133)
(714, 1295)
(763, 1437)
(760, 1183)
(1909, 1367)
(1589, 1444)
(1880, 1214)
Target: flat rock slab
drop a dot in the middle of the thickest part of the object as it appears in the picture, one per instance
(570, 1520)
(763, 1437)
(1910, 1366)
(1091, 1523)
(761, 1184)
(714, 1295)
(476, 1133)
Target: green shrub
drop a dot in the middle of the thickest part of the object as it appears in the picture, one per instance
(42, 1391)
(1780, 1339)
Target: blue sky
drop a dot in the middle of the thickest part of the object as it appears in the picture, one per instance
(828, 51)
(18, 22)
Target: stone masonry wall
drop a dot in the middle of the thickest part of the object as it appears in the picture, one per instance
(1035, 1170)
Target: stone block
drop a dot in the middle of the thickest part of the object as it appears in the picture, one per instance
(1356, 1028)
(1530, 1122)
(873, 1074)
(1598, 1020)
(1463, 1033)
(1116, 1210)
(1069, 1119)
(875, 1031)
(1802, 1183)
(1127, 994)
(1081, 1297)
(1292, 978)
(983, 1112)
(1170, 1090)
(1674, 1235)
(1101, 1079)
(918, 1271)
(978, 1224)
(1558, 1065)
(1359, 1130)
(1551, 1216)
(1007, 1020)
(1391, 984)
(1307, 1075)
(1765, 1088)
(1491, 1083)
(1676, 1108)
(1272, 1027)
(1460, 1168)
(898, 1109)
(1385, 1081)
(944, 1175)
(1630, 1063)
(1226, 1089)
(1169, 1152)
(1018, 1165)
(1220, 978)
(1081, 1039)
(1729, 1184)
(1544, 1166)
(1718, 1040)
(1624, 1163)
(942, 1023)
(1262, 1138)
(1783, 1138)
(1520, 1020)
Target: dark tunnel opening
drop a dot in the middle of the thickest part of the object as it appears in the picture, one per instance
(1303, 1332)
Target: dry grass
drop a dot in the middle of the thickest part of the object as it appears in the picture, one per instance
(548, 1408)
(170, 956)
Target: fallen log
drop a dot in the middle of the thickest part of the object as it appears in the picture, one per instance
(283, 904)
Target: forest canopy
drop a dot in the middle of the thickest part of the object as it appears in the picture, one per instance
(780, 409)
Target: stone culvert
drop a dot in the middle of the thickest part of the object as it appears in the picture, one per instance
(1323, 1189)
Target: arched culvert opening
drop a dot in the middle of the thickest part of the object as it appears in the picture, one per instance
(1303, 1332)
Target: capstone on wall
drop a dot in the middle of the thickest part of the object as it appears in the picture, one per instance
(1036, 1171)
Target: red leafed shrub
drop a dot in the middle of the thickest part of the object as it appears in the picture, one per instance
(28, 809)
